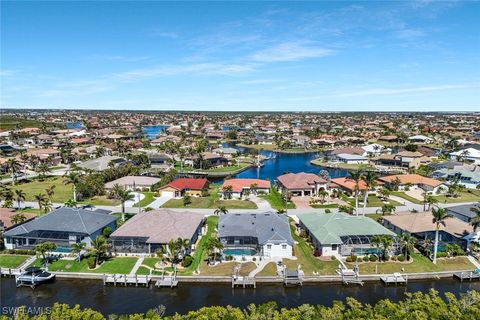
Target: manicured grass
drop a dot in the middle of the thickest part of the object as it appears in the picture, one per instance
(31, 210)
(246, 268)
(12, 261)
(406, 197)
(305, 258)
(420, 263)
(149, 198)
(276, 201)
(270, 269)
(324, 206)
(102, 201)
(10, 123)
(119, 265)
(33, 187)
(372, 201)
(465, 196)
(211, 202)
(222, 269)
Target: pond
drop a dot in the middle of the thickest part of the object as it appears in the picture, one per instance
(186, 297)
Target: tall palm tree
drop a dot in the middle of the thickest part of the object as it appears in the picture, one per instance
(77, 248)
(439, 217)
(430, 200)
(99, 248)
(12, 166)
(20, 196)
(40, 198)
(475, 221)
(407, 244)
(43, 169)
(227, 192)
(18, 218)
(370, 178)
(47, 205)
(72, 178)
(50, 191)
(221, 210)
(356, 176)
(124, 196)
(70, 203)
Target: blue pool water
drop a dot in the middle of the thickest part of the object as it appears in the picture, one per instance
(152, 131)
(63, 249)
(364, 251)
(239, 252)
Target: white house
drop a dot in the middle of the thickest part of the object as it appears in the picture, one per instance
(470, 154)
(420, 139)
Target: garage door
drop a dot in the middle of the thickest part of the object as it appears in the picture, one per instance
(167, 194)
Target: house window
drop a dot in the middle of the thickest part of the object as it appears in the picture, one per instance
(334, 247)
(284, 246)
(269, 246)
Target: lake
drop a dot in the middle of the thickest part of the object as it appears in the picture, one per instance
(152, 131)
(74, 125)
(186, 297)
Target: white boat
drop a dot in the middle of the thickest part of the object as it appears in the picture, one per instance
(33, 276)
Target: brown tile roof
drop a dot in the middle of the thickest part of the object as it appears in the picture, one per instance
(300, 180)
(7, 213)
(349, 184)
(412, 179)
(239, 184)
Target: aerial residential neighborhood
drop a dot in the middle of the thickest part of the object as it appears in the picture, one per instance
(250, 160)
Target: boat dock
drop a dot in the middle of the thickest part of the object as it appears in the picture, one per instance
(125, 279)
(467, 275)
(350, 276)
(292, 277)
(395, 278)
(240, 281)
(168, 281)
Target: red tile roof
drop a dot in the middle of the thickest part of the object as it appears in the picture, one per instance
(300, 180)
(349, 184)
(188, 183)
(239, 184)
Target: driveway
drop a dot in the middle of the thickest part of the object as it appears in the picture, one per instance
(262, 204)
(158, 202)
(301, 202)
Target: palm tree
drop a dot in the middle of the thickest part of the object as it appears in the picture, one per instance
(50, 191)
(430, 200)
(370, 178)
(407, 244)
(124, 196)
(70, 203)
(356, 176)
(99, 248)
(253, 188)
(323, 195)
(387, 209)
(12, 166)
(20, 196)
(386, 242)
(384, 193)
(227, 192)
(47, 205)
(43, 169)
(213, 246)
(40, 198)
(439, 217)
(475, 221)
(18, 218)
(221, 210)
(72, 178)
(77, 248)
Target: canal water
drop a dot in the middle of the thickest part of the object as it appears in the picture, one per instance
(152, 131)
(186, 297)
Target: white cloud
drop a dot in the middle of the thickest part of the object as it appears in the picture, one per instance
(290, 51)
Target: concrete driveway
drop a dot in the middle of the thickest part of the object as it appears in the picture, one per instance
(301, 202)
(158, 202)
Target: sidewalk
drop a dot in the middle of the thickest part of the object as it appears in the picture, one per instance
(137, 265)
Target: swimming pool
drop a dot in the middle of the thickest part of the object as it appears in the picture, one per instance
(365, 251)
(63, 249)
(239, 252)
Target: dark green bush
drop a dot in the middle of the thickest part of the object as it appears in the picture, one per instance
(187, 261)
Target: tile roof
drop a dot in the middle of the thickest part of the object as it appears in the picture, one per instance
(300, 180)
(130, 180)
(239, 184)
(412, 179)
(188, 183)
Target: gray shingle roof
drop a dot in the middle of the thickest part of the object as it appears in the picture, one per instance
(65, 220)
(464, 210)
(266, 227)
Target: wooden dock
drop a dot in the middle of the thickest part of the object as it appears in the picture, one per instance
(350, 276)
(240, 281)
(467, 275)
(125, 279)
(395, 278)
(292, 277)
(168, 281)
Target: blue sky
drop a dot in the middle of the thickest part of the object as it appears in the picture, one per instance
(248, 56)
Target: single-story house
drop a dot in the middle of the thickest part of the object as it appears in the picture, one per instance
(336, 234)
(347, 185)
(302, 184)
(263, 234)
(179, 187)
(133, 182)
(160, 161)
(422, 227)
(63, 226)
(146, 232)
(470, 154)
(242, 186)
(375, 149)
(6, 215)
(414, 181)
(350, 158)
(464, 211)
(102, 163)
(420, 139)
(467, 175)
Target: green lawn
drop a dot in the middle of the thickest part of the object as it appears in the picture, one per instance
(10, 123)
(120, 265)
(212, 201)
(305, 258)
(465, 196)
(200, 254)
(12, 261)
(372, 201)
(276, 201)
(324, 206)
(270, 269)
(149, 198)
(406, 197)
(102, 201)
(31, 188)
(31, 210)
(420, 264)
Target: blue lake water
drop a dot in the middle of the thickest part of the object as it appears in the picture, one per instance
(74, 125)
(152, 131)
(281, 163)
